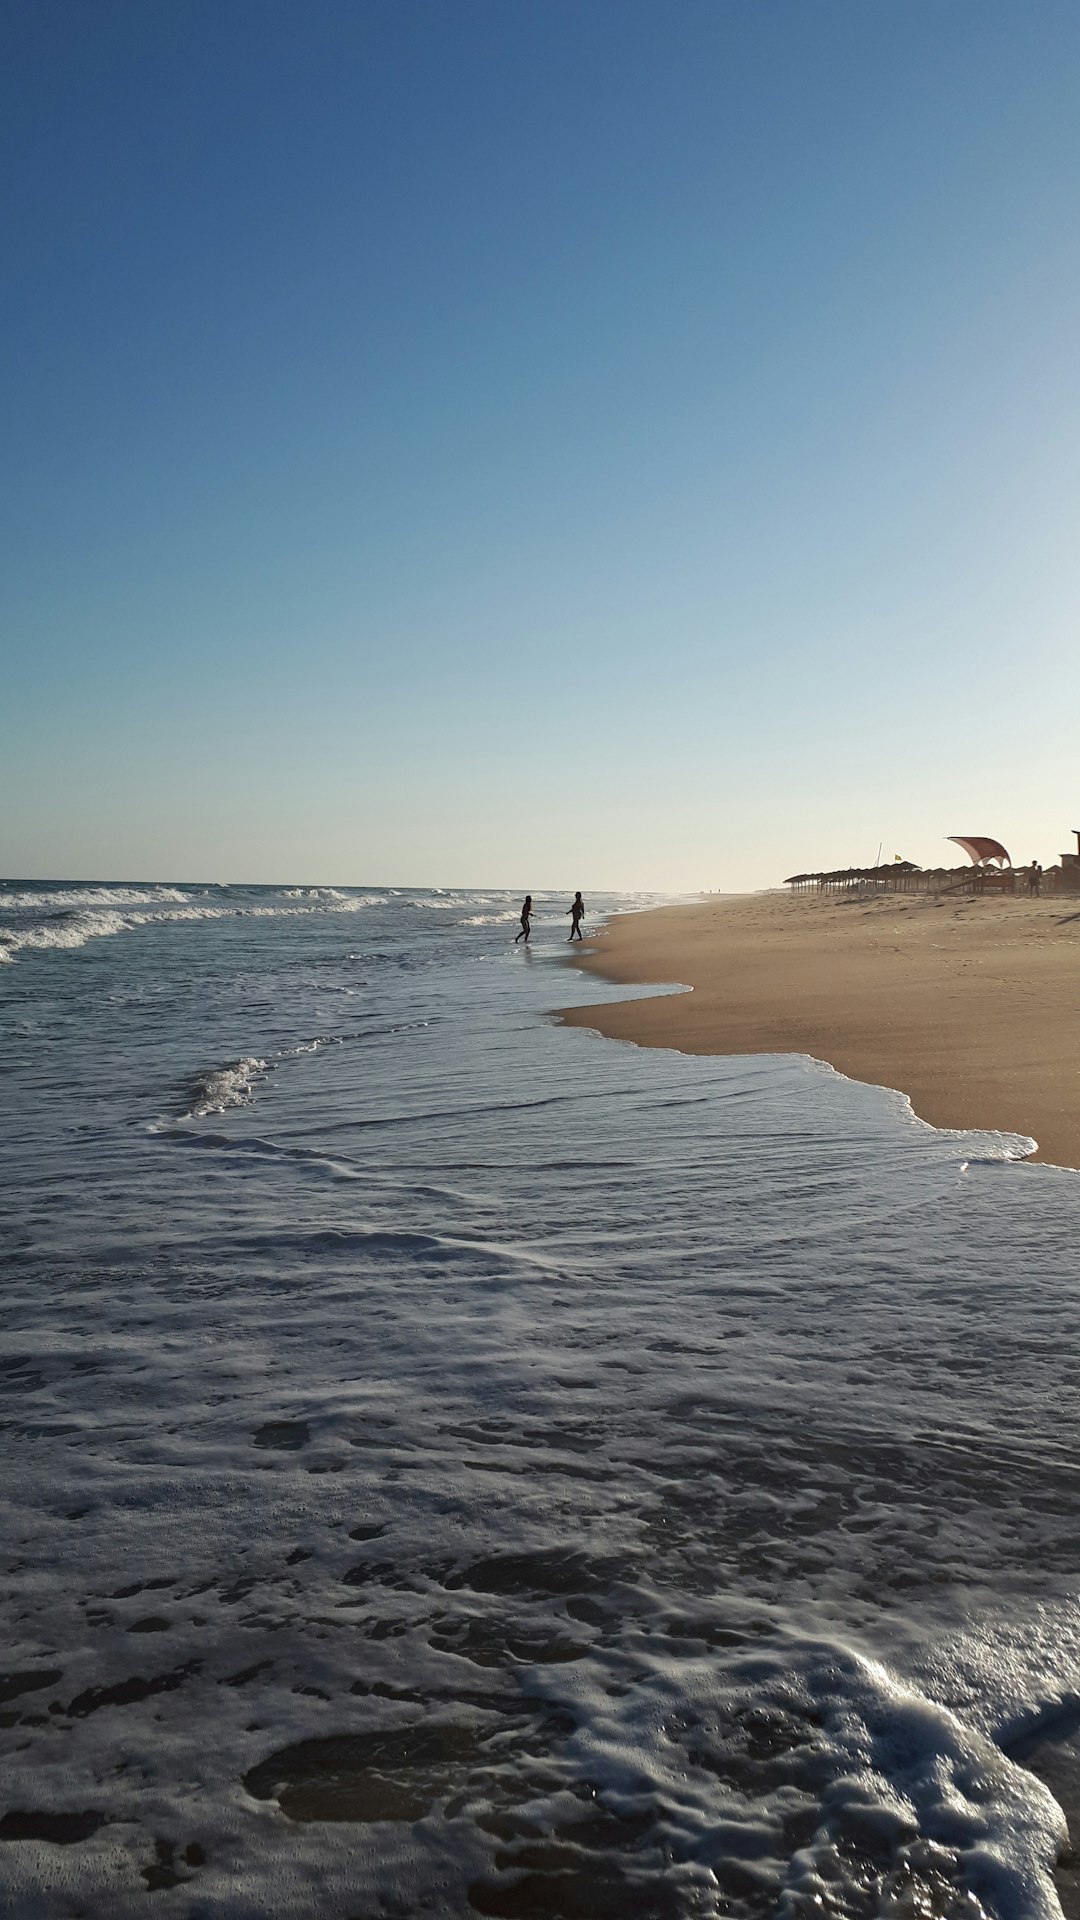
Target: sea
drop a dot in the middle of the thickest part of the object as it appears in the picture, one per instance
(455, 1464)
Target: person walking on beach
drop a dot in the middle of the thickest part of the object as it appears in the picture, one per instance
(526, 916)
(1034, 877)
(577, 912)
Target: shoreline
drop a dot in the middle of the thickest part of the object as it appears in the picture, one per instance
(967, 1005)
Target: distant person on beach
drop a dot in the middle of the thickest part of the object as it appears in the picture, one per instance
(1034, 877)
(577, 913)
(526, 916)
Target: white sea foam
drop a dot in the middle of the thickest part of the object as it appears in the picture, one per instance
(110, 896)
(646, 1474)
(233, 1084)
(219, 1088)
(912, 1804)
(1007, 1673)
(69, 931)
(489, 919)
(74, 928)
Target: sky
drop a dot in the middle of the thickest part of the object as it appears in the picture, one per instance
(602, 443)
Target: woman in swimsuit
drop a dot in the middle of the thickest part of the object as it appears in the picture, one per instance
(526, 913)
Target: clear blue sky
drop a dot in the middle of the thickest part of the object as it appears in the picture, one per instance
(537, 442)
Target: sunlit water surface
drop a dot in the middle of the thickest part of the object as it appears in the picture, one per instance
(455, 1465)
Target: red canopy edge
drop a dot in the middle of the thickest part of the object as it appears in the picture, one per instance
(978, 848)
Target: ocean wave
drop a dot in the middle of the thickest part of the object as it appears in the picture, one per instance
(339, 903)
(897, 1767)
(64, 897)
(219, 1088)
(75, 928)
(312, 1046)
(465, 903)
(489, 919)
(79, 914)
(914, 1810)
(98, 920)
(66, 931)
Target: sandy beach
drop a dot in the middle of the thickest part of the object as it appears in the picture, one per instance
(969, 1006)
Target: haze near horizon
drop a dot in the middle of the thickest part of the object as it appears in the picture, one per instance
(596, 444)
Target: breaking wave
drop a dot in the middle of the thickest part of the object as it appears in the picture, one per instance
(96, 913)
(233, 1084)
(223, 1087)
(66, 897)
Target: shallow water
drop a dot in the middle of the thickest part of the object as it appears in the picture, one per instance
(459, 1465)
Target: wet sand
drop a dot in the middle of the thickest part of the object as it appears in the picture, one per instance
(969, 1006)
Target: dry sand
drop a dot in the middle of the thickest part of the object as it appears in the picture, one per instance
(969, 1006)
